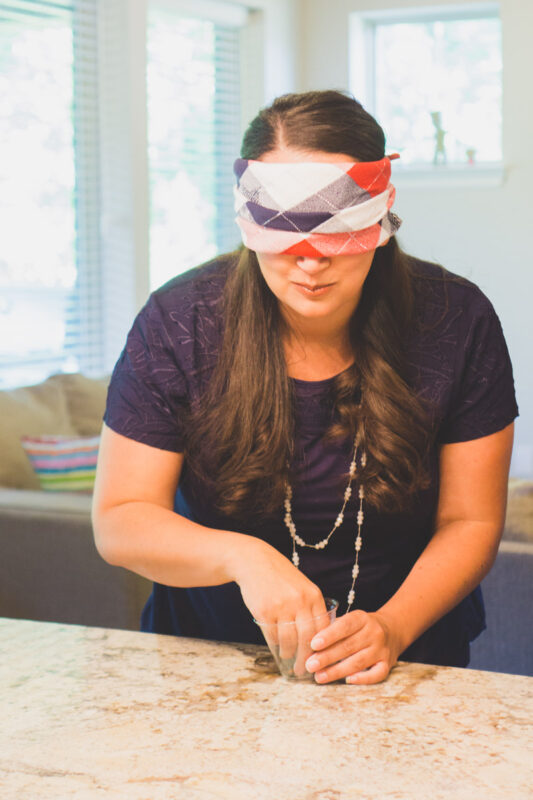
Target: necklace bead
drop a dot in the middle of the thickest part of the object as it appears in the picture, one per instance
(297, 540)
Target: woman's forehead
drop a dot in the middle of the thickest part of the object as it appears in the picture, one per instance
(291, 155)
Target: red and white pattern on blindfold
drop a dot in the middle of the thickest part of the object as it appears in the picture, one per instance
(314, 208)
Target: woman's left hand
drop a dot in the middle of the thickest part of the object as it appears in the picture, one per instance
(360, 647)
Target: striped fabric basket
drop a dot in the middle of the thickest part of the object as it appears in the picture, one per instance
(63, 463)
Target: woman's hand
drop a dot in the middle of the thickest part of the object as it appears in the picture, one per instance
(360, 647)
(289, 607)
(273, 589)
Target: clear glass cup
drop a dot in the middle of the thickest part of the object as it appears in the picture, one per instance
(290, 642)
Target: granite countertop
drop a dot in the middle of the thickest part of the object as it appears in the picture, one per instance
(96, 713)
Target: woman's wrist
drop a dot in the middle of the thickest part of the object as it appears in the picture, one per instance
(241, 550)
(399, 631)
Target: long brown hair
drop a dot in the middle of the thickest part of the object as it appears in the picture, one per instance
(247, 415)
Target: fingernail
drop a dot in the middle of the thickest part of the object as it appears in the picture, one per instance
(317, 643)
(311, 664)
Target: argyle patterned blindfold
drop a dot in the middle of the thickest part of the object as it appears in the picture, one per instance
(314, 208)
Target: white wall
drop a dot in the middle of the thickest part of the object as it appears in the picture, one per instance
(271, 52)
(480, 232)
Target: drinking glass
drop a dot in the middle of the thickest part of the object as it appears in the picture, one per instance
(290, 642)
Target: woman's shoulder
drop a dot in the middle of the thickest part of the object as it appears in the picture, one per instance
(457, 356)
(199, 287)
(184, 318)
(439, 291)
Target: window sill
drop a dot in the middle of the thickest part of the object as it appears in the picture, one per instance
(453, 176)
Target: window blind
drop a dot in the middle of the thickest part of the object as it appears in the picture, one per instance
(76, 105)
(49, 265)
(194, 117)
(85, 328)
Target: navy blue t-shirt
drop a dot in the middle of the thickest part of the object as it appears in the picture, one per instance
(457, 361)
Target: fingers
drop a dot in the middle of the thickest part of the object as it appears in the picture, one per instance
(321, 619)
(288, 639)
(307, 628)
(346, 641)
(290, 642)
(360, 669)
(374, 674)
(360, 649)
(296, 637)
(355, 646)
(349, 624)
(356, 662)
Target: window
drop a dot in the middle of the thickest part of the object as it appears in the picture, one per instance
(45, 198)
(433, 79)
(193, 81)
(75, 103)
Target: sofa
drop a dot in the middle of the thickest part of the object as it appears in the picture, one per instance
(50, 569)
(507, 643)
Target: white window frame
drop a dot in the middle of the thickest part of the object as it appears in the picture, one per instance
(222, 12)
(266, 71)
(362, 31)
(119, 227)
(124, 148)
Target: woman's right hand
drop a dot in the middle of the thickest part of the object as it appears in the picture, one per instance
(277, 593)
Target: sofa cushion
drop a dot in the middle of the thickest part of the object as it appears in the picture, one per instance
(21, 503)
(86, 399)
(519, 516)
(63, 463)
(29, 411)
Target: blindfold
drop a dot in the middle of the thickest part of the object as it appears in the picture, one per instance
(315, 208)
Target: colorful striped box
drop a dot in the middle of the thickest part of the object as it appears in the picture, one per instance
(63, 463)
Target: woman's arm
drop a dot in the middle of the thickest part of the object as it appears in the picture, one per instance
(136, 527)
(469, 523)
(134, 522)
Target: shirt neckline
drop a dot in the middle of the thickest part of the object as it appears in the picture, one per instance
(323, 382)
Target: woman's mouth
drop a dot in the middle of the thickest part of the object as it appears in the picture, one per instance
(313, 291)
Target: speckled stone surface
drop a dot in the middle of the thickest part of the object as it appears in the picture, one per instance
(94, 713)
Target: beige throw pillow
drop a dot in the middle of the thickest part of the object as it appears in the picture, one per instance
(29, 411)
(86, 399)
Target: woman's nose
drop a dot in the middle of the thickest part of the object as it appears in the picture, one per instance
(312, 265)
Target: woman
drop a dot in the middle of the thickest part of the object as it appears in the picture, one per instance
(338, 417)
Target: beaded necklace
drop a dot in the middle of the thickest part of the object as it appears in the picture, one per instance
(297, 540)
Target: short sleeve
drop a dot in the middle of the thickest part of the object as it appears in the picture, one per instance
(483, 399)
(148, 395)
